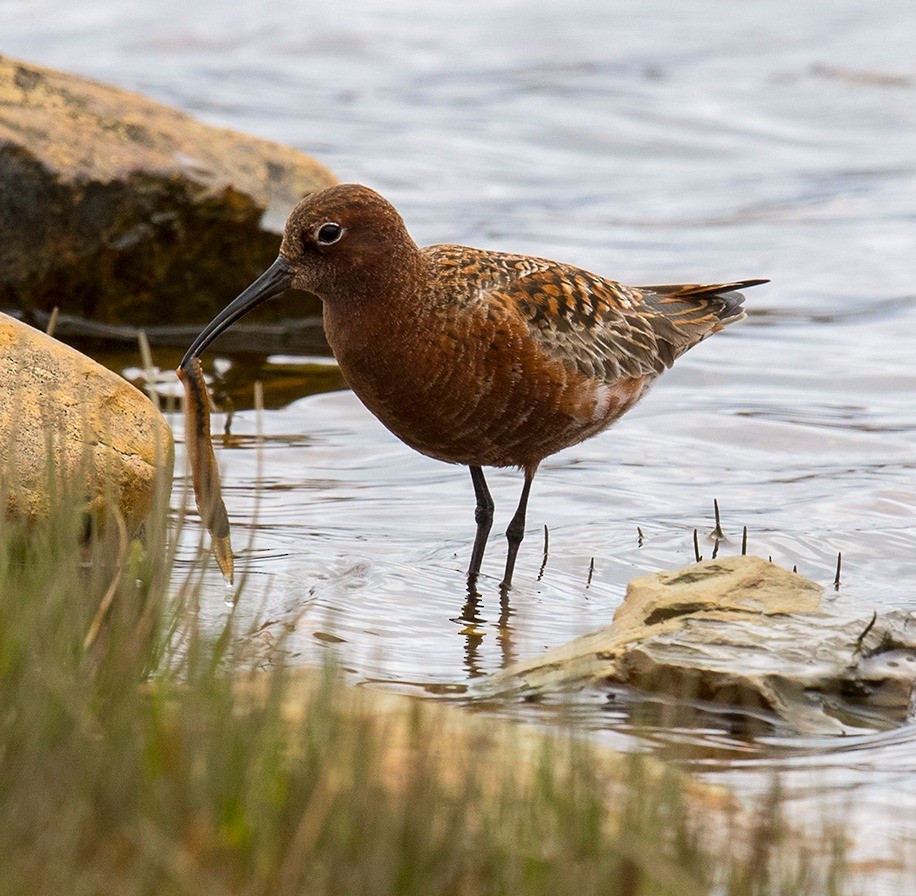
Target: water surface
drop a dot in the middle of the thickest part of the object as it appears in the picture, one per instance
(648, 141)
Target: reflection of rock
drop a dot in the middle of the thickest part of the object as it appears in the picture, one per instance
(117, 208)
(61, 412)
(741, 632)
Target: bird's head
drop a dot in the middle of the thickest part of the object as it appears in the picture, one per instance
(345, 243)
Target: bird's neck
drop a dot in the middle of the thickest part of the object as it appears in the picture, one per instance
(375, 303)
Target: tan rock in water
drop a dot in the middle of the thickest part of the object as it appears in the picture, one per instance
(117, 208)
(739, 633)
(61, 411)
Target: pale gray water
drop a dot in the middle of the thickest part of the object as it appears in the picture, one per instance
(648, 141)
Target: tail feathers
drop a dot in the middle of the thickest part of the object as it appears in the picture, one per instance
(701, 290)
(681, 315)
(728, 309)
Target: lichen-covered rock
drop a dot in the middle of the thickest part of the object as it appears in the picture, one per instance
(120, 209)
(68, 422)
(740, 633)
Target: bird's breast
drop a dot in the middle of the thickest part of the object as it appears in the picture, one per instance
(472, 385)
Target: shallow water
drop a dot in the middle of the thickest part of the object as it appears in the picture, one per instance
(650, 142)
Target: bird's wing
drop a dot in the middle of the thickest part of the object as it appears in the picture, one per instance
(610, 331)
(604, 329)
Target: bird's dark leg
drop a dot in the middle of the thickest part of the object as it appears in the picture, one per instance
(516, 531)
(484, 518)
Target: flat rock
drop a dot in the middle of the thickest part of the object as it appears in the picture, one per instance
(65, 420)
(743, 634)
(116, 208)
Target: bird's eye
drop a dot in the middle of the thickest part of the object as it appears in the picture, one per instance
(328, 233)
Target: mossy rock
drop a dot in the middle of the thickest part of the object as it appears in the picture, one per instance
(117, 208)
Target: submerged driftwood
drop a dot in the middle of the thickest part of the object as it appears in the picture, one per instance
(117, 208)
(301, 336)
(743, 634)
(67, 422)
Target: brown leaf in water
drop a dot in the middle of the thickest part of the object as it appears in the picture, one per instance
(203, 464)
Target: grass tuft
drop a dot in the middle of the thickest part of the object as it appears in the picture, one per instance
(140, 754)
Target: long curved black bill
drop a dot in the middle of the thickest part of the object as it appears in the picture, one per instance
(274, 281)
